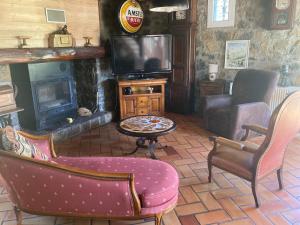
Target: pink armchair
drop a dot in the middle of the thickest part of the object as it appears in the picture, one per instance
(93, 187)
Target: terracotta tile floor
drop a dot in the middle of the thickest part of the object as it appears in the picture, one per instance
(227, 200)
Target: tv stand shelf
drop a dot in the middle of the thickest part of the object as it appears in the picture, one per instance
(142, 97)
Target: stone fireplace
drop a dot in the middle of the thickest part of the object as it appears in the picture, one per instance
(60, 78)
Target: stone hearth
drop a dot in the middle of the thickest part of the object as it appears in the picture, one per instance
(81, 125)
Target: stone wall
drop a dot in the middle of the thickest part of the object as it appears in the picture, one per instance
(269, 48)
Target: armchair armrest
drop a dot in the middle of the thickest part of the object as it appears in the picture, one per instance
(256, 128)
(216, 101)
(248, 113)
(227, 142)
(233, 144)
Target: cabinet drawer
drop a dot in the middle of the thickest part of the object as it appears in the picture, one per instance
(142, 111)
(142, 102)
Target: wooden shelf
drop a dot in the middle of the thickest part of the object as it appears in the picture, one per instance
(4, 113)
(142, 94)
(29, 55)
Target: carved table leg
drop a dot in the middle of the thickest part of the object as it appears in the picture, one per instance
(151, 148)
(140, 143)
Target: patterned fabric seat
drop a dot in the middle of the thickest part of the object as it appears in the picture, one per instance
(156, 182)
(91, 187)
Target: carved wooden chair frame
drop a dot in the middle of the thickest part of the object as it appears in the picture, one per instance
(258, 153)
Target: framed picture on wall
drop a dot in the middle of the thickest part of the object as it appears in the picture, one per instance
(237, 54)
(55, 16)
(221, 13)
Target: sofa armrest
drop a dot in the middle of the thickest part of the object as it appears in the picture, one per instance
(248, 113)
(216, 101)
(44, 142)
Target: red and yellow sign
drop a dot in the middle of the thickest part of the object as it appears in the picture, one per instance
(131, 16)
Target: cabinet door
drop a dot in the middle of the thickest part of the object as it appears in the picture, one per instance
(180, 78)
(156, 105)
(181, 84)
(129, 107)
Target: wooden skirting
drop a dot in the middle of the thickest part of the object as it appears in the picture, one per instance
(15, 55)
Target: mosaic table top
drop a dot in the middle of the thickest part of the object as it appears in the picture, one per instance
(147, 124)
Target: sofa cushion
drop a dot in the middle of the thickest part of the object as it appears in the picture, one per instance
(156, 182)
(12, 141)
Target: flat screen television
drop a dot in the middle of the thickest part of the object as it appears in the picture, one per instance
(145, 54)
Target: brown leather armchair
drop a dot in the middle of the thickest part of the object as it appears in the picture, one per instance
(253, 162)
(252, 90)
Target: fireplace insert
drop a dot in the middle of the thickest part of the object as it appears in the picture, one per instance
(47, 93)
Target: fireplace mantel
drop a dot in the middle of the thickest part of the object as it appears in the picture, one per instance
(30, 55)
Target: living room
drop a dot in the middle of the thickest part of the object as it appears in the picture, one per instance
(150, 112)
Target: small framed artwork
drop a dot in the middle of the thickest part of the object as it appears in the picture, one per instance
(221, 13)
(237, 54)
(282, 14)
(55, 16)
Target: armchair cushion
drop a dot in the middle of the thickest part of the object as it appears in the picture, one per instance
(148, 174)
(235, 161)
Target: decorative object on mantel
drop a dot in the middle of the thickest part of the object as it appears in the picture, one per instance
(221, 13)
(61, 38)
(88, 41)
(284, 79)
(131, 16)
(169, 5)
(282, 14)
(237, 54)
(212, 71)
(84, 112)
(7, 100)
(23, 41)
(30, 55)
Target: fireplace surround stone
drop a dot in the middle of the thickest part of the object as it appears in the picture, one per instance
(106, 98)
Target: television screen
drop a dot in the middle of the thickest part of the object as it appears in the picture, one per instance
(141, 54)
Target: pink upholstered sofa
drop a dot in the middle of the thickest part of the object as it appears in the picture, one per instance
(93, 187)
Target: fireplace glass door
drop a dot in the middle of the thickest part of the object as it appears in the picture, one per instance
(53, 94)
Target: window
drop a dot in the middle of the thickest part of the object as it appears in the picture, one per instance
(221, 10)
(221, 13)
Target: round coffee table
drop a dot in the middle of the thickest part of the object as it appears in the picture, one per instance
(146, 128)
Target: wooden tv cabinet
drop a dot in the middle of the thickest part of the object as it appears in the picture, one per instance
(140, 100)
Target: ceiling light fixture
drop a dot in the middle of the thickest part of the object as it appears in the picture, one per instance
(169, 5)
